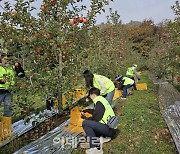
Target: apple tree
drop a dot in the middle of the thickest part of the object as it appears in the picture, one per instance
(57, 35)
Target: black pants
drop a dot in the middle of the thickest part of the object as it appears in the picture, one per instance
(49, 103)
(94, 130)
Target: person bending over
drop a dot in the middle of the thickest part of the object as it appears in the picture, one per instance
(105, 85)
(124, 84)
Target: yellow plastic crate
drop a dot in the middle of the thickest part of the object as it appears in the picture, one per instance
(117, 94)
(72, 96)
(75, 124)
(141, 86)
(75, 117)
(64, 101)
(1, 132)
(55, 106)
(5, 127)
(79, 93)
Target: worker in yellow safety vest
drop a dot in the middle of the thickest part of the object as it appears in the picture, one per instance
(125, 83)
(7, 76)
(131, 71)
(96, 127)
(104, 84)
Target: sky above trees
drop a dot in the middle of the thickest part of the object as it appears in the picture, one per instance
(136, 10)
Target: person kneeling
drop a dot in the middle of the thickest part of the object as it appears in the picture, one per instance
(96, 127)
(124, 84)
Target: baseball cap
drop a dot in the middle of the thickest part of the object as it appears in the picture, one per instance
(135, 65)
(118, 77)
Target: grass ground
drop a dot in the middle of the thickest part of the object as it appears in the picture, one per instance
(142, 128)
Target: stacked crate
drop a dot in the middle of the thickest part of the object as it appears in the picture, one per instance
(79, 93)
(5, 128)
(141, 86)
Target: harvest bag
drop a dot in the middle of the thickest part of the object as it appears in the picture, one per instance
(113, 122)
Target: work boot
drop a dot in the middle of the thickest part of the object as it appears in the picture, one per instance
(94, 151)
(104, 139)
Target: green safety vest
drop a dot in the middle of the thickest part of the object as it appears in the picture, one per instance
(127, 81)
(108, 83)
(8, 75)
(108, 109)
(130, 71)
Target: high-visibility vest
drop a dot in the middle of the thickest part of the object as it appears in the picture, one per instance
(108, 83)
(108, 109)
(130, 71)
(127, 81)
(8, 75)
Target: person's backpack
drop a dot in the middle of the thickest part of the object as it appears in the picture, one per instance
(113, 122)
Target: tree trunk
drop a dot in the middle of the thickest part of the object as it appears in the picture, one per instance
(60, 83)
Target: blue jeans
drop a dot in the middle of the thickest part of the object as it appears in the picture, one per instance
(94, 130)
(6, 98)
(110, 96)
(125, 90)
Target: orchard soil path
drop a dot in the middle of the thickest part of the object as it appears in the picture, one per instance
(35, 133)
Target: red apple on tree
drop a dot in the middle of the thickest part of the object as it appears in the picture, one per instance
(72, 21)
(49, 36)
(53, 2)
(85, 20)
(39, 48)
(63, 19)
(80, 19)
(178, 78)
(36, 35)
(43, 7)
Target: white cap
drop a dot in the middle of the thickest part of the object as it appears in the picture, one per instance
(134, 65)
(118, 77)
